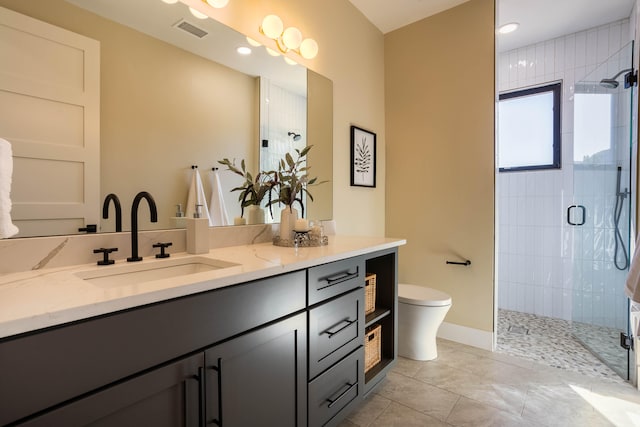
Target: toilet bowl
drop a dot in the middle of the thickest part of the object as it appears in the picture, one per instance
(421, 311)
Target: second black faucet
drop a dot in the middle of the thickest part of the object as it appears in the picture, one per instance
(134, 221)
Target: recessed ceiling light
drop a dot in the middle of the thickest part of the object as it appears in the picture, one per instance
(243, 50)
(170, 1)
(508, 28)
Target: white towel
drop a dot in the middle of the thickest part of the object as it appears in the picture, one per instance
(217, 208)
(7, 229)
(632, 288)
(196, 197)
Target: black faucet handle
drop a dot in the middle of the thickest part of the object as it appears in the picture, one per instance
(162, 247)
(105, 253)
(89, 228)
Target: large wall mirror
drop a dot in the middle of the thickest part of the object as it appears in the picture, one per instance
(169, 99)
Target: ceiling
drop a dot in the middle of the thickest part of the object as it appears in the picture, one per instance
(539, 19)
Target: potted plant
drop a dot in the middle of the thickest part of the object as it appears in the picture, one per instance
(291, 182)
(252, 191)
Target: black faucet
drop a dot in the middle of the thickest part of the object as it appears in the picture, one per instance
(134, 222)
(116, 204)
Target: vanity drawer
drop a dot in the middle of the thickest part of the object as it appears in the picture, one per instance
(329, 280)
(335, 390)
(336, 328)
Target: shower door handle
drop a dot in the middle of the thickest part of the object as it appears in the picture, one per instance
(583, 211)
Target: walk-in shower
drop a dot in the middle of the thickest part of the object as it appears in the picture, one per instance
(563, 238)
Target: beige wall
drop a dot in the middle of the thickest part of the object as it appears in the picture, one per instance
(162, 109)
(351, 54)
(439, 76)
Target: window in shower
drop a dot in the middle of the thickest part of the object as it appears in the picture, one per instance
(529, 129)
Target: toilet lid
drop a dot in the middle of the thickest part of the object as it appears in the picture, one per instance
(419, 295)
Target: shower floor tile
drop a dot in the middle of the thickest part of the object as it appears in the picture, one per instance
(550, 341)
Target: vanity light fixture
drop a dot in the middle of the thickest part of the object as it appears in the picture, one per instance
(289, 39)
(508, 28)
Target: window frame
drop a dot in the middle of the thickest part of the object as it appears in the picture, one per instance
(556, 89)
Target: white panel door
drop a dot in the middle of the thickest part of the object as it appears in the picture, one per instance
(50, 113)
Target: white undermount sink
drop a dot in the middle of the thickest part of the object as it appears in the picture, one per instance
(131, 274)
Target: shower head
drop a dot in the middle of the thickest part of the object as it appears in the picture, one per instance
(612, 83)
(296, 136)
(609, 83)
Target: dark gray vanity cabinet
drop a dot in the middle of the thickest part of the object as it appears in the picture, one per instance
(257, 379)
(284, 351)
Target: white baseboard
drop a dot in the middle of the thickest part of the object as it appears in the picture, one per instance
(467, 336)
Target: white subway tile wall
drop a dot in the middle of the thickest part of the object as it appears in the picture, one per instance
(535, 245)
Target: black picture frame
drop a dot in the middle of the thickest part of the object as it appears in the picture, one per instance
(363, 157)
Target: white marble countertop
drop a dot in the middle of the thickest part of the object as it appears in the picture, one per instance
(33, 300)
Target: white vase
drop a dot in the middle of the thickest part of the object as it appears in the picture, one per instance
(255, 215)
(288, 217)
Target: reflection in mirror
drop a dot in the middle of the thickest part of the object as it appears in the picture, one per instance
(166, 103)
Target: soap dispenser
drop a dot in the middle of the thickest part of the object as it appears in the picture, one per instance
(197, 233)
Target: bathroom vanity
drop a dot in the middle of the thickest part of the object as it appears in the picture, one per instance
(275, 336)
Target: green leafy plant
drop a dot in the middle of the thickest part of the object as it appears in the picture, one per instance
(291, 180)
(253, 190)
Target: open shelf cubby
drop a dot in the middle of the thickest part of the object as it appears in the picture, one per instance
(384, 265)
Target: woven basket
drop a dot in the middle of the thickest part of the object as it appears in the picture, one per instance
(372, 347)
(369, 293)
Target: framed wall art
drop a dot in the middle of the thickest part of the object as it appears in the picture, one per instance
(363, 157)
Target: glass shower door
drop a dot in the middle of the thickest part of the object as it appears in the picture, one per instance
(599, 219)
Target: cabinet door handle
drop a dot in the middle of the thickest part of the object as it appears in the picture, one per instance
(333, 331)
(201, 395)
(218, 370)
(344, 393)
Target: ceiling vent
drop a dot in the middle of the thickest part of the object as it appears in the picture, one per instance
(190, 28)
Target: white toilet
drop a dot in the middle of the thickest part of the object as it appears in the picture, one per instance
(421, 311)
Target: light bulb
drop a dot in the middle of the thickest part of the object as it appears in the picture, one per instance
(217, 3)
(272, 52)
(272, 26)
(292, 37)
(308, 48)
(252, 42)
(289, 61)
(197, 13)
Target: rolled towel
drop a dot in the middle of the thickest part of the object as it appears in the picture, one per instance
(7, 229)
(196, 197)
(217, 207)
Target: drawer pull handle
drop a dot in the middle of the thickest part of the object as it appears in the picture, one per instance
(331, 332)
(341, 277)
(344, 393)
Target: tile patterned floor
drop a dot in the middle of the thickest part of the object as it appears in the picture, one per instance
(551, 342)
(467, 386)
